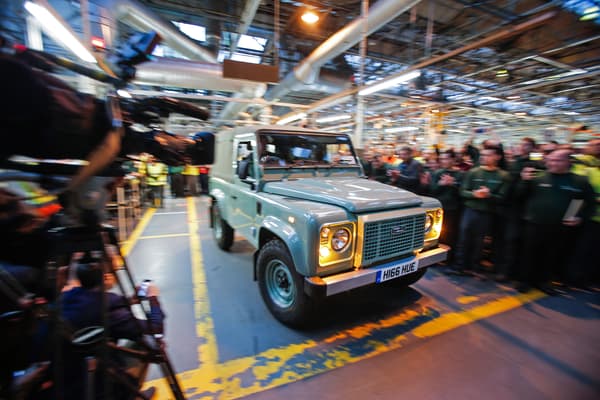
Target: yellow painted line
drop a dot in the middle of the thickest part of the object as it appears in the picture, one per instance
(127, 245)
(448, 322)
(467, 299)
(169, 235)
(278, 366)
(207, 351)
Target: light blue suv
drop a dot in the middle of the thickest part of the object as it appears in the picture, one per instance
(319, 227)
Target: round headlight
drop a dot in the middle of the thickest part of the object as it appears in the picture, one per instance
(340, 239)
(428, 223)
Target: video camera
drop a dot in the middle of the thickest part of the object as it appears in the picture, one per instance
(46, 118)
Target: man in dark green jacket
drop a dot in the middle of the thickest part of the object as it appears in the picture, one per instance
(445, 186)
(482, 188)
(556, 203)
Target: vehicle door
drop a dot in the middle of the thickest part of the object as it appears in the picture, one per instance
(243, 194)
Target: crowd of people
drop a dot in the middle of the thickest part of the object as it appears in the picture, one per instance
(528, 214)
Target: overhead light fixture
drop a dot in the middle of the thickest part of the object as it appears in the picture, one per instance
(513, 97)
(98, 43)
(401, 129)
(520, 114)
(333, 118)
(291, 118)
(124, 93)
(309, 17)
(388, 83)
(590, 13)
(490, 98)
(501, 73)
(57, 30)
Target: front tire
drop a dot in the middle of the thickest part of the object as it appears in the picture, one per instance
(222, 231)
(281, 287)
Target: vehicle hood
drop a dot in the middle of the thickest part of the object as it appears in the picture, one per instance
(354, 194)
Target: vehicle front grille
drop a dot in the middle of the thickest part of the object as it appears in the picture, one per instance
(392, 237)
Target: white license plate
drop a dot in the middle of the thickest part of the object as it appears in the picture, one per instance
(397, 270)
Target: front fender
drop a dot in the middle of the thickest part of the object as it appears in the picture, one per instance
(297, 247)
(218, 196)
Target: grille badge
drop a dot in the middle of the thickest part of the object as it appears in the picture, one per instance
(397, 230)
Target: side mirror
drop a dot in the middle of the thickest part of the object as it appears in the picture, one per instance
(242, 169)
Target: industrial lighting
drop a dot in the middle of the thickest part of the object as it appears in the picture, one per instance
(309, 17)
(291, 118)
(124, 93)
(513, 97)
(57, 30)
(400, 129)
(590, 13)
(521, 114)
(502, 73)
(388, 83)
(98, 43)
(333, 118)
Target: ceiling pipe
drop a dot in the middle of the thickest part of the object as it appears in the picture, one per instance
(176, 72)
(307, 72)
(502, 34)
(246, 18)
(141, 18)
(231, 110)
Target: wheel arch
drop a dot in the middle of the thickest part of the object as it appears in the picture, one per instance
(288, 236)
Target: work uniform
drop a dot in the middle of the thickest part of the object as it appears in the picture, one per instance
(477, 215)
(410, 173)
(509, 223)
(156, 179)
(449, 196)
(548, 242)
(190, 174)
(586, 264)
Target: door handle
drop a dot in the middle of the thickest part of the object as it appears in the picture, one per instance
(234, 197)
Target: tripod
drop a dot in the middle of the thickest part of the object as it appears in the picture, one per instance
(77, 239)
(93, 341)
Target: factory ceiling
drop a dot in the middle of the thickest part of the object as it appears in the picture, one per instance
(509, 66)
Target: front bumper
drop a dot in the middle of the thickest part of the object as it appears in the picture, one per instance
(322, 287)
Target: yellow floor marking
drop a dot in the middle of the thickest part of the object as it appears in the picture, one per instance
(466, 299)
(169, 235)
(208, 355)
(278, 366)
(127, 245)
(454, 320)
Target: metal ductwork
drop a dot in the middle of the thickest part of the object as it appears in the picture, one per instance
(213, 37)
(194, 75)
(141, 18)
(307, 72)
(246, 18)
(231, 110)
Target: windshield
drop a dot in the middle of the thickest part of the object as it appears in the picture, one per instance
(305, 150)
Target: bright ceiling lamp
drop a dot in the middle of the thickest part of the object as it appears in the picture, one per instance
(56, 29)
(401, 129)
(309, 17)
(388, 83)
(333, 118)
(291, 118)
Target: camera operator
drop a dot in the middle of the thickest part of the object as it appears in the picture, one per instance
(82, 307)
